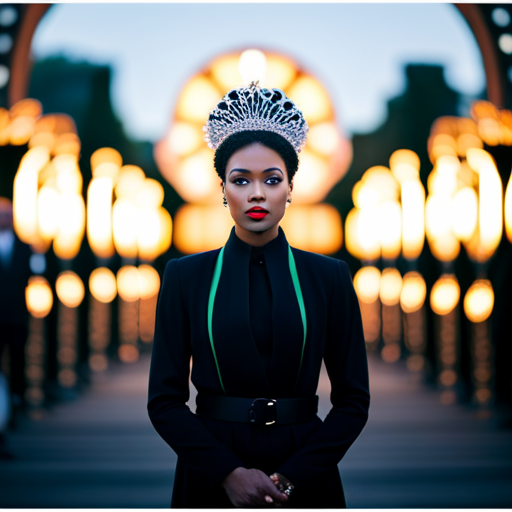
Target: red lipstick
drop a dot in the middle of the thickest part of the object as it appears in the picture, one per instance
(257, 212)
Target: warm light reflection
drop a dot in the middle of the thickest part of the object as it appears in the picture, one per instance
(151, 194)
(197, 100)
(390, 220)
(199, 228)
(445, 294)
(38, 296)
(314, 101)
(106, 155)
(252, 66)
(465, 213)
(323, 138)
(413, 218)
(479, 301)
(102, 284)
(25, 193)
(508, 210)
(125, 219)
(315, 228)
(70, 289)
(281, 71)
(149, 281)
(185, 138)
(310, 183)
(404, 165)
(413, 293)
(99, 216)
(68, 240)
(128, 283)
(367, 284)
(390, 287)
(129, 182)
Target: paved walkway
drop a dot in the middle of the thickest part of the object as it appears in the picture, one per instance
(100, 451)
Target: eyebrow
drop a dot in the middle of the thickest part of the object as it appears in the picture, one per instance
(247, 170)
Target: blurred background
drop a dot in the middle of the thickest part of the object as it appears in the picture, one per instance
(105, 176)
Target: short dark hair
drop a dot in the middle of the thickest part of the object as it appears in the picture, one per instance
(242, 139)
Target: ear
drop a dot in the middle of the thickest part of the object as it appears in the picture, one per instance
(290, 186)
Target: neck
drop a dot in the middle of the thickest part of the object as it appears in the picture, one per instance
(257, 238)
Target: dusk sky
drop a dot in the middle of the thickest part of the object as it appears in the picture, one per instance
(356, 50)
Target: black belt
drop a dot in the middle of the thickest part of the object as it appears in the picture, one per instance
(258, 411)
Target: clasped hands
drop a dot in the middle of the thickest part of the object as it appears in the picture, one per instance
(253, 488)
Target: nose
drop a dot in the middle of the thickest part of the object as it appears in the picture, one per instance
(256, 192)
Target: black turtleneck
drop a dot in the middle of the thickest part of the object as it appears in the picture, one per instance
(260, 305)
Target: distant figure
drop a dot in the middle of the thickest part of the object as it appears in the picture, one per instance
(14, 274)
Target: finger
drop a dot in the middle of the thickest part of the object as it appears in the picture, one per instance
(268, 499)
(275, 494)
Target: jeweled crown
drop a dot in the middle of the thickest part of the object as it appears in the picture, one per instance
(254, 108)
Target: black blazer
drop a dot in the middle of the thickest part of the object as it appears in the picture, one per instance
(209, 450)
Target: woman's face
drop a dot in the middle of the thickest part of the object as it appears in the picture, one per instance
(256, 189)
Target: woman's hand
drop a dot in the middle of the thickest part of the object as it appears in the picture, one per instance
(251, 488)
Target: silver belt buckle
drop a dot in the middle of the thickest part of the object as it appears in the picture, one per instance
(263, 411)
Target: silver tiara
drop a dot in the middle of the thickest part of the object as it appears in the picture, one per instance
(252, 108)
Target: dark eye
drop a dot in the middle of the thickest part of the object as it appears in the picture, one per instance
(240, 180)
(274, 180)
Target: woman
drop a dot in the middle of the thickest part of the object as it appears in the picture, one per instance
(257, 317)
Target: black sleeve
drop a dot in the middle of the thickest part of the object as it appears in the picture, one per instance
(169, 388)
(346, 364)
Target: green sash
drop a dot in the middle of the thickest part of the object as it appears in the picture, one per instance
(213, 290)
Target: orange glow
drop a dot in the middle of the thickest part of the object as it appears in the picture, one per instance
(149, 281)
(199, 228)
(316, 228)
(25, 193)
(465, 213)
(99, 216)
(125, 218)
(196, 180)
(165, 230)
(102, 284)
(106, 155)
(28, 107)
(38, 296)
(196, 101)
(352, 234)
(508, 209)
(129, 182)
(70, 289)
(323, 138)
(281, 71)
(312, 99)
(490, 193)
(390, 220)
(413, 293)
(128, 353)
(224, 70)
(185, 138)
(367, 284)
(390, 286)
(413, 218)
(67, 144)
(479, 301)
(151, 194)
(252, 66)
(68, 240)
(404, 165)
(310, 184)
(128, 283)
(368, 234)
(445, 294)
(20, 130)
